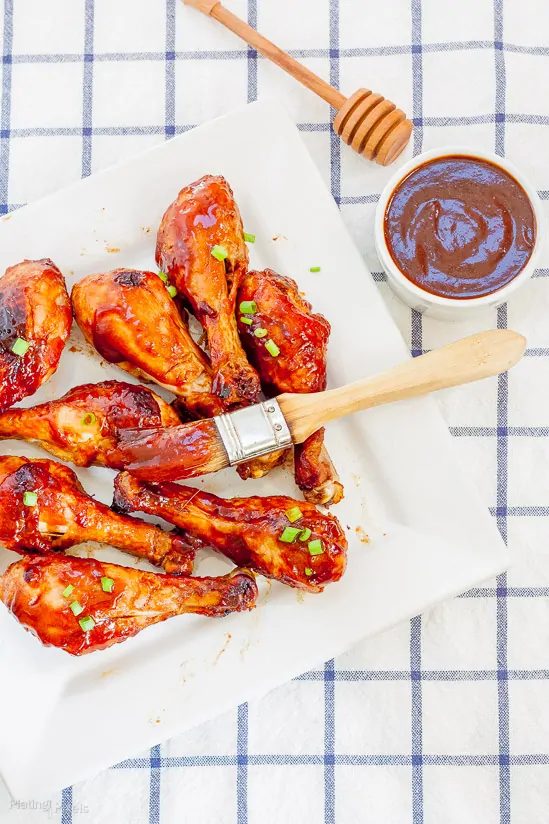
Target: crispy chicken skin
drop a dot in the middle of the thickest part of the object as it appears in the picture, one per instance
(246, 530)
(32, 589)
(34, 306)
(43, 508)
(132, 321)
(81, 427)
(204, 215)
(302, 338)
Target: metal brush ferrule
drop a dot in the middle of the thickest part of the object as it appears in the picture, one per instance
(253, 431)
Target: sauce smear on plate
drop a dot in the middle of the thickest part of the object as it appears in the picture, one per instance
(460, 227)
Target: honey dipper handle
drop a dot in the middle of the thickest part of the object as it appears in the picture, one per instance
(313, 82)
(479, 356)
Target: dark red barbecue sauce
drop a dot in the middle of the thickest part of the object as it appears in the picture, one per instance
(460, 227)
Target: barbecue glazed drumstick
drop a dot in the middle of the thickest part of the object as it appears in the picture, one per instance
(111, 602)
(35, 321)
(81, 427)
(298, 364)
(132, 321)
(202, 222)
(43, 508)
(249, 531)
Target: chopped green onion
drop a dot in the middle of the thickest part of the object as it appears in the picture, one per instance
(249, 238)
(76, 608)
(305, 534)
(289, 535)
(88, 419)
(315, 547)
(260, 332)
(172, 291)
(308, 571)
(247, 321)
(219, 253)
(294, 514)
(87, 623)
(67, 591)
(248, 307)
(30, 498)
(163, 277)
(20, 347)
(272, 348)
(107, 584)
(314, 269)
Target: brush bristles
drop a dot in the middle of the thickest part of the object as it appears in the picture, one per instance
(172, 453)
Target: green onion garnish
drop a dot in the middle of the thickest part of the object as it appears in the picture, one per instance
(294, 514)
(67, 591)
(107, 584)
(314, 269)
(87, 623)
(20, 347)
(247, 321)
(308, 571)
(219, 253)
(248, 307)
(260, 332)
(315, 547)
(163, 277)
(30, 498)
(172, 291)
(249, 238)
(272, 348)
(305, 534)
(289, 535)
(76, 608)
(88, 419)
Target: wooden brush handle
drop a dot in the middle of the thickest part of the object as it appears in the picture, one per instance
(471, 359)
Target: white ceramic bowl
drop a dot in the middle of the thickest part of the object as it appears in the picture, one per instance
(434, 305)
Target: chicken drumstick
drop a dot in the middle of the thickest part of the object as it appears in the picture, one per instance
(277, 536)
(201, 247)
(82, 605)
(81, 427)
(35, 321)
(287, 344)
(132, 321)
(43, 508)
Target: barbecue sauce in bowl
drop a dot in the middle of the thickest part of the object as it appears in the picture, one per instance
(460, 227)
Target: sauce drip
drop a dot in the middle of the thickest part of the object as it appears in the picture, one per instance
(460, 227)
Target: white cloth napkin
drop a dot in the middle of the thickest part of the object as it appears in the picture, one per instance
(442, 720)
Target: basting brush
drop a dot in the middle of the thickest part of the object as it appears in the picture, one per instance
(178, 452)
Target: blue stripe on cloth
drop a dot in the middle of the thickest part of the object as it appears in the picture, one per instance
(155, 765)
(416, 341)
(329, 742)
(169, 57)
(87, 91)
(329, 666)
(417, 721)
(242, 765)
(123, 130)
(347, 760)
(66, 806)
(299, 54)
(502, 467)
(5, 112)
(251, 54)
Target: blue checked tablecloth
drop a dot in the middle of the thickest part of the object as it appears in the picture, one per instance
(444, 719)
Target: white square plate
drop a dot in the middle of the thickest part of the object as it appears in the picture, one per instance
(430, 537)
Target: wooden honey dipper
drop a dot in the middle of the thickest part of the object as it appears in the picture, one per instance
(366, 121)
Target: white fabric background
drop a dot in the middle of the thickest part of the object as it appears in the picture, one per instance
(442, 720)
